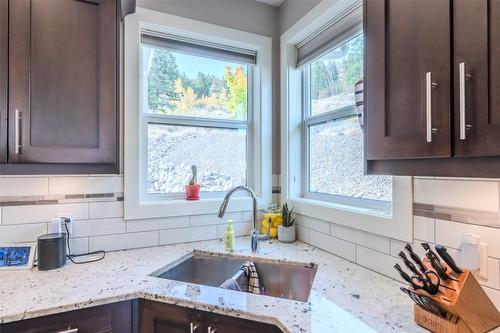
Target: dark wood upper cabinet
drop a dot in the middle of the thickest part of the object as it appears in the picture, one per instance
(4, 40)
(476, 72)
(407, 97)
(458, 42)
(62, 83)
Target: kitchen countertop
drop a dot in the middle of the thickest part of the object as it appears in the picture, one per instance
(345, 297)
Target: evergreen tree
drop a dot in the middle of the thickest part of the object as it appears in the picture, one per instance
(354, 61)
(161, 81)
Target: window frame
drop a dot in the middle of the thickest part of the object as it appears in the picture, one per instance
(399, 225)
(198, 122)
(136, 205)
(310, 120)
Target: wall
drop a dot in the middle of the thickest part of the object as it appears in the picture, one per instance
(444, 210)
(96, 204)
(293, 10)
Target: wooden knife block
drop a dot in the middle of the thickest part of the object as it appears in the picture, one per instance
(471, 309)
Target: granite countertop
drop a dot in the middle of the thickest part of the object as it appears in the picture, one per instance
(345, 297)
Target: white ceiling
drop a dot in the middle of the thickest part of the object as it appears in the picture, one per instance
(275, 3)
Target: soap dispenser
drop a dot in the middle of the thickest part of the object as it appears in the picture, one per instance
(229, 237)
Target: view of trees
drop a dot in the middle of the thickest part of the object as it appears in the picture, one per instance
(337, 72)
(173, 92)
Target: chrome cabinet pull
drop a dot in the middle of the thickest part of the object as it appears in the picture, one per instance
(462, 76)
(69, 330)
(211, 330)
(428, 105)
(193, 327)
(17, 132)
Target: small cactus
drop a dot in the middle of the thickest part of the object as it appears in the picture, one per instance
(194, 176)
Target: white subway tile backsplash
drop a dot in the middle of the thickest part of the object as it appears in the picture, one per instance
(24, 186)
(423, 229)
(475, 195)
(494, 296)
(211, 219)
(98, 227)
(79, 245)
(240, 229)
(123, 241)
(85, 185)
(99, 210)
(303, 234)
(190, 234)
(21, 233)
(314, 224)
(372, 241)
(42, 213)
(451, 233)
(333, 245)
(157, 224)
(377, 261)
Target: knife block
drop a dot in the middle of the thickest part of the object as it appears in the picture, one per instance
(464, 299)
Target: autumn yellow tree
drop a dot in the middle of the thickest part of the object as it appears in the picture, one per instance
(237, 84)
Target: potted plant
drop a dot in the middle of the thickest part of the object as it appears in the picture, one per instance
(286, 231)
(193, 188)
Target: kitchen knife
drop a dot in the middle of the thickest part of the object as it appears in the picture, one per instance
(425, 302)
(404, 275)
(409, 264)
(443, 253)
(436, 264)
(415, 258)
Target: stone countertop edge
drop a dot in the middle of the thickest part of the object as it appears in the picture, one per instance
(345, 297)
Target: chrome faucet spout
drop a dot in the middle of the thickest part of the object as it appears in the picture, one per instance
(223, 208)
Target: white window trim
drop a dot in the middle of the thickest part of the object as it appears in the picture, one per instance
(260, 126)
(400, 224)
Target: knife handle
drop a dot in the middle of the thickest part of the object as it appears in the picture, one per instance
(415, 258)
(403, 274)
(443, 253)
(409, 264)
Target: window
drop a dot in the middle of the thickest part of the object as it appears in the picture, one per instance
(333, 132)
(322, 162)
(196, 112)
(194, 94)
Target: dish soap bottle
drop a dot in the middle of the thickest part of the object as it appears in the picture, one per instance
(229, 238)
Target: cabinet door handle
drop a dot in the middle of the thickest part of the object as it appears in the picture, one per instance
(429, 85)
(69, 330)
(461, 76)
(17, 132)
(193, 327)
(211, 330)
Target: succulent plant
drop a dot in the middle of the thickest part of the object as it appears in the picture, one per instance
(287, 216)
(194, 176)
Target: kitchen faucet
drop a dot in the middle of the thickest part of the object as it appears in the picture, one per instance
(255, 237)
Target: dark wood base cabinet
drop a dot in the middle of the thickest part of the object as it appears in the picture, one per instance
(137, 316)
(110, 318)
(165, 318)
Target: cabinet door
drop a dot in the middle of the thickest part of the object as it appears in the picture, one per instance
(62, 63)
(476, 40)
(112, 318)
(4, 28)
(225, 324)
(155, 317)
(407, 112)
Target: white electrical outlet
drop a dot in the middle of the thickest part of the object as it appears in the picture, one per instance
(69, 224)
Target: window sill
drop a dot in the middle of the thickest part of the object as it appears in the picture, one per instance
(343, 207)
(171, 208)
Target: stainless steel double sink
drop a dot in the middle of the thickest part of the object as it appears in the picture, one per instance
(288, 280)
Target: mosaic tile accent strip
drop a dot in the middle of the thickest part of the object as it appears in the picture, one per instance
(489, 219)
(59, 199)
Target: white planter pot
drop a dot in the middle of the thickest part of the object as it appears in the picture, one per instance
(286, 235)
